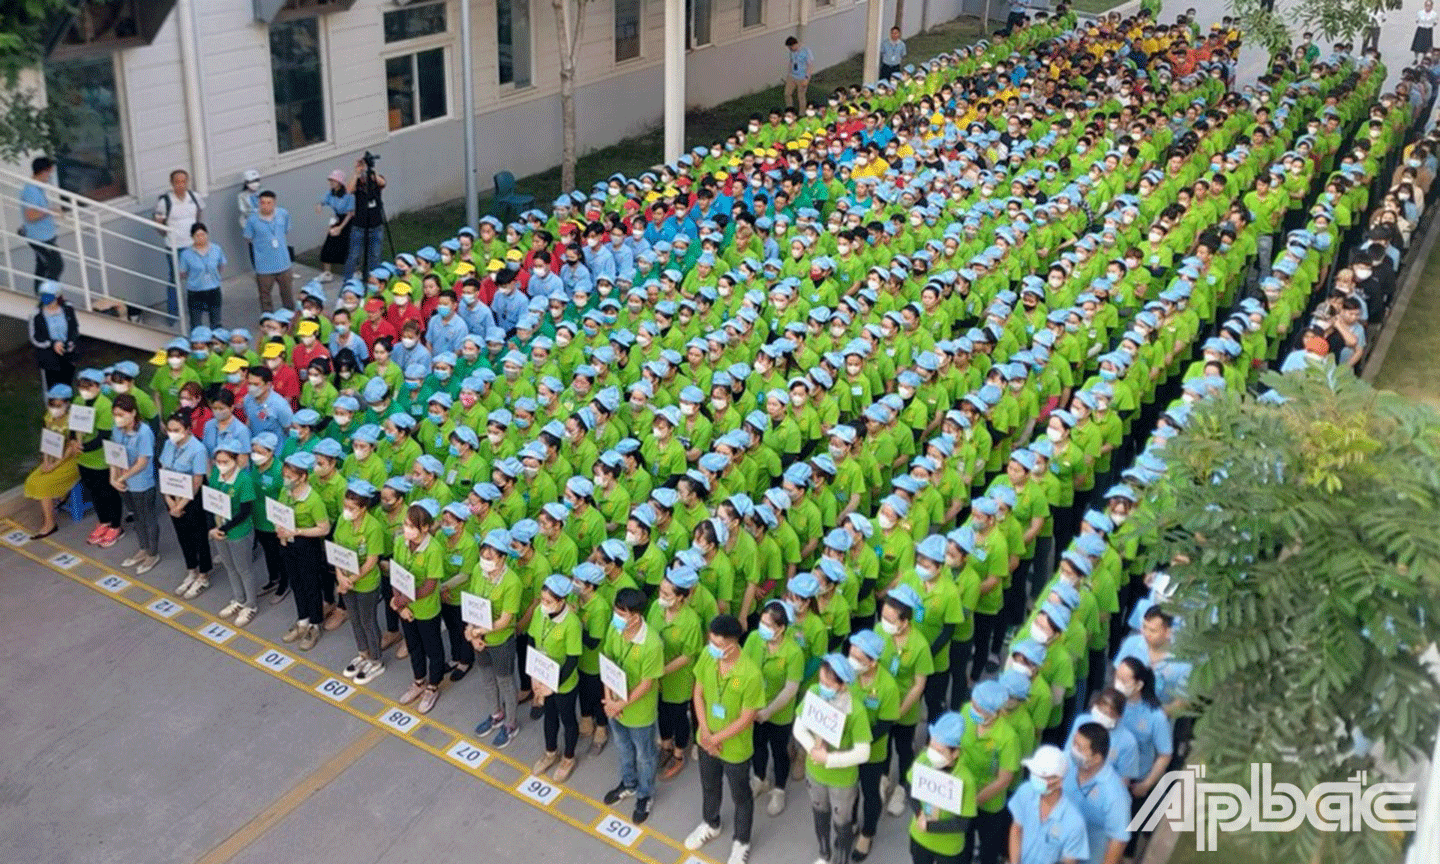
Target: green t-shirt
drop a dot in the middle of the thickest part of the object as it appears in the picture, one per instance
(241, 489)
(367, 540)
(742, 689)
(427, 564)
(881, 698)
(777, 666)
(558, 639)
(504, 596)
(987, 754)
(641, 661)
(855, 731)
(309, 511)
(939, 835)
(905, 662)
(682, 635)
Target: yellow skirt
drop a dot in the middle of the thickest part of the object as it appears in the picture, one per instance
(55, 483)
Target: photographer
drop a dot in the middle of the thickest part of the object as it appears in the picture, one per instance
(367, 229)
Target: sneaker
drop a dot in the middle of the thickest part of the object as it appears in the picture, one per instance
(484, 726)
(675, 766)
(295, 632)
(703, 833)
(100, 531)
(428, 699)
(642, 811)
(369, 672)
(618, 794)
(110, 537)
(268, 587)
(776, 805)
(133, 559)
(336, 617)
(563, 770)
(739, 853)
(147, 565)
(862, 848)
(388, 640)
(196, 588)
(325, 276)
(758, 786)
(245, 615)
(353, 667)
(458, 672)
(402, 652)
(230, 608)
(504, 737)
(190, 577)
(412, 693)
(544, 763)
(896, 807)
(537, 711)
(279, 596)
(312, 635)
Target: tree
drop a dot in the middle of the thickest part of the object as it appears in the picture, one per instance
(25, 126)
(1329, 20)
(1305, 553)
(569, 24)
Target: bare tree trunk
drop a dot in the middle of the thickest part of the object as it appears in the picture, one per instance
(568, 22)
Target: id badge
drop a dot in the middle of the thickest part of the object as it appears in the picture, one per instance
(717, 711)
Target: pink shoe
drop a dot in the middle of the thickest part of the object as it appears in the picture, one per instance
(97, 534)
(110, 537)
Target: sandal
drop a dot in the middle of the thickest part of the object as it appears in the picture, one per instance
(43, 534)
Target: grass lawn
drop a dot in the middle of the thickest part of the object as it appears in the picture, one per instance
(632, 156)
(1095, 7)
(20, 401)
(1409, 367)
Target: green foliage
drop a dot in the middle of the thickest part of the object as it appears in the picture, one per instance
(25, 127)
(23, 26)
(1305, 552)
(1329, 20)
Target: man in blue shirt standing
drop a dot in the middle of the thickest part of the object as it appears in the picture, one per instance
(799, 76)
(892, 54)
(266, 410)
(38, 221)
(1093, 785)
(268, 230)
(1048, 827)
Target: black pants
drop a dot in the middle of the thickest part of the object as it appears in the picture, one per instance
(714, 772)
(772, 742)
(392, 618)
(560, 711)
(106, 498)
(274, 568)
(920, 855)
(960, 672)
(937, 687)
(991, 832)
(592, 692)
(988, 633)
(304, 560)
(461, 651)
(427, 649)
(522, 650)
(886, 70)
(869, 802)
(48, 263)
(674, 720)
(902, 748)
(55, 369)
(202, 305)
(191, 527)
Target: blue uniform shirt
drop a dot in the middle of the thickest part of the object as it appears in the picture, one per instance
(202, 272)
(1104, 803)
(272, 415)
(1124, 752)
(1171, 675)
(1152, 732)
(189, 458)
(42, 229)
(138, 444)
(1048, 841)
(270, 238)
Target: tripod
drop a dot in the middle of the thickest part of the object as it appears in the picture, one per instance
(373, 191)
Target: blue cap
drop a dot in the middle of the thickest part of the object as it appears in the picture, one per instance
(949, 729)
(804, 585)
(840, 665)
(869, 642)
(301, 461)
(989, 696)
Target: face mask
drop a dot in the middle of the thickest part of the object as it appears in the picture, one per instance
(1054, 435)
(937, 759)
(260, 459)
(177, 438)
(926, 573)
(408, 341)
(890, 627)
(1127, 690)
(886, 522)
(797, 401)
(1038, 633)
(715, 651)
(618, 622)
(827, 692)
(350, 514)
(449, 531)
(59, 411)
(1039, 784)
(766, 632)
(412, 534)
(175, 362)
(977, 717)
(490, 565)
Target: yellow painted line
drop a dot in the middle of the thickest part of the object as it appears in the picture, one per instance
(291, 800)
(462, 752)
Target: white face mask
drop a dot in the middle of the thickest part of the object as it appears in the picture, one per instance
(1127, 689)
(1054, 435)
(1104, 720)
(176, 438)
(175, 362)
(718, 404)
(890, 627)
(886, 522)
(798, 401)
(688, 409)
(937, 759)
(58, 410)
(1038, 633)
(490, 565)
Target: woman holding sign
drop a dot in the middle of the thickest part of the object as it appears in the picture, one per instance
(492, 632)
(681, 634)
(907, 657)
(876, 688)
(834, 732)
(90, 420)
(943, 795)
(781, 661)
(416, 569)
(57, 471)
(229, 495)
(134, 478)
(461, 555)
(556, 634)
(183, 466)
(360, 533)
(302, 546)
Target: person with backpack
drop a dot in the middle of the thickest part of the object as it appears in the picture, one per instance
(176, 211)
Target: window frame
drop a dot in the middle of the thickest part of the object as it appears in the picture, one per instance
(691, 43)
(412, 50)
(444, 6)
(639, 32)
(122, 109)
(507, 88)
(760, 22)
(322, 45)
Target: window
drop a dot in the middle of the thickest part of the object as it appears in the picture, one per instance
(824, 2)
(753, 12)
(512, 22)
(627, 30)
(91, 158)
(415, 84)
(699, 13)
(295, 71)
(412, 22)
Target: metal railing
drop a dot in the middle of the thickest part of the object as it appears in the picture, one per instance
(114, 261)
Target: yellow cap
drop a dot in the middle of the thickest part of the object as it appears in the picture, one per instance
(235, 364)
(464, 268)
(158, 358)
(514, 255)
(721, 175)
(401, 288)
(272, 350)
(307, 328)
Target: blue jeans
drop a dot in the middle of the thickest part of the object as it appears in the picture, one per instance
(363, 240)
(638, 752)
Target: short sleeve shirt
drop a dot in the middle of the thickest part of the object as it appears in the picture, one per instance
(727, 697)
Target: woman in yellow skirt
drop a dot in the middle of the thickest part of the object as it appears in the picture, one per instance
(53, 478)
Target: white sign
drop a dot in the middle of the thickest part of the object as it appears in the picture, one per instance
(822, 718)
(540, 667)
(18, 537)
(164, 608)
(538, 790)
(176, 484)
(335, 689)
(281, 515)
(275, 661)
(65, 560)
(613, 677)
(939, 789)
(476, 610)
(402, 580)
(340, 558)
(82, 419)
(618, 830)
(400, 721)
(112, 583)
(216, 502)
(52, 443)
(467, 754)
(116, 456)
(217, 633)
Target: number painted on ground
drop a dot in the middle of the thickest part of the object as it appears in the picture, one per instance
(538, 790)
(17, 538)
(400, 721)
(334, 688)
(217, 633)
(619, 830)
(64, 560)
(112, 583)
(164, 608)
(467, 754)
(275, 661)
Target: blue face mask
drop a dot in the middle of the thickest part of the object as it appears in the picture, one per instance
(826, 692)
(444, 309)
(454, 451)
(448, 530)
(442, 374)
(1039, 784)
(618, 622)
(714, 650)
(201, 353)
(977, 717)
(766, 633)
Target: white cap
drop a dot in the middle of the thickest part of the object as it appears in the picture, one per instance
(1048, 761)
(251, 175)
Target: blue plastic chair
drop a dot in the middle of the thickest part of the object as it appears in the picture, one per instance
(507, 199)
(76, 503)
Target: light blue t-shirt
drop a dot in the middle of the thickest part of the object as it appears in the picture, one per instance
(1047, 841)
(270, 239)
(57, 325)
(892, 53)
(202, 272)
(1153, 735)
(800, 60)
(1171, 675)
(189, 458)
(1104, 803)
(1124, 752)
(42, 229)
(138, 444)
